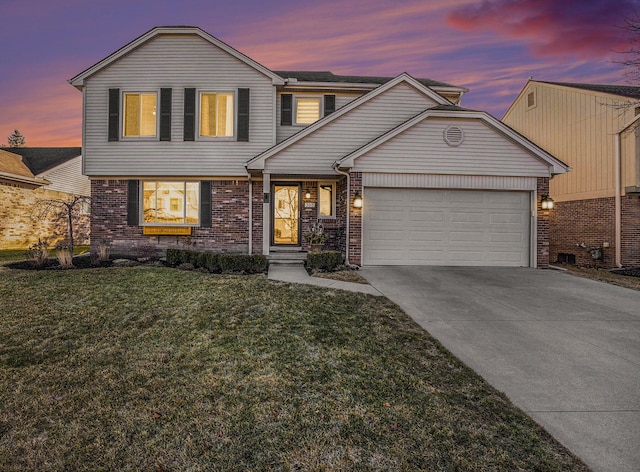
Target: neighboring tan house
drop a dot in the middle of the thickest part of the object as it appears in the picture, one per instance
(188, 142)
(594, 129)
(30, 174)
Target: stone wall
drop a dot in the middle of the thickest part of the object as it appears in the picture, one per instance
(18, 230)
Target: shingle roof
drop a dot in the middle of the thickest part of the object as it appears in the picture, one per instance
(40, 159)
(328, 76)
(622, 90)
(12, 163)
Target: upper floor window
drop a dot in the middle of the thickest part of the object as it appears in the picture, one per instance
(307, 110)
(172, 203)
(216, 114)
(139, 110)
(327, 199)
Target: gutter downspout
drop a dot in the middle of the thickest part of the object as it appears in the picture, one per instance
(618, 188)
(346, 174)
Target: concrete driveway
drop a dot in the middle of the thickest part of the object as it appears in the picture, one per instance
(564, 349)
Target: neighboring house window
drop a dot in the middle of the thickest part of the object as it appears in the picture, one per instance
(173, 203)
(327, 199)
(139, 110)
(307, 110)
(531, 99)
(216, 114)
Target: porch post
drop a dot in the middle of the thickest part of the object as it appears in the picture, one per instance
(266, 213)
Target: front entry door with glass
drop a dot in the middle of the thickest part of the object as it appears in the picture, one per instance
(286, 214)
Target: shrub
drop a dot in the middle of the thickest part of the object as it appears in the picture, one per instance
(104, 248)
(146, 252)
(325, 260)
(217, 263)
(39, 253)
(65, 258)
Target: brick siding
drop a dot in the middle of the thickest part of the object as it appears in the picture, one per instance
(543, 228)
(592, 223)
(355, 220)
(229, 231)
(18, 230)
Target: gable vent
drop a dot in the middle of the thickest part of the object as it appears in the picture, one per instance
(453, 136)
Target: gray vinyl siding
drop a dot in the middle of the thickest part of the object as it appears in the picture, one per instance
(421, 149)
(284, 132)
(68, 178)
(178, 62)
(315, 153)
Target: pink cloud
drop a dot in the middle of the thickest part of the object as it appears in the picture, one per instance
(583, 28)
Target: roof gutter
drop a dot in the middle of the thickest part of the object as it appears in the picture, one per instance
(618, 188)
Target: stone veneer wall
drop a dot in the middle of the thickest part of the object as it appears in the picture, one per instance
(592, 223)
(19, 231)
(228, 233)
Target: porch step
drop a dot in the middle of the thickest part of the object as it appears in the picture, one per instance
(287, 257)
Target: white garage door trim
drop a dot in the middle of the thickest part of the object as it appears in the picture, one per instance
(467, 227)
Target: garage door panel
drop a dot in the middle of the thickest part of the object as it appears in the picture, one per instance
(445, 227)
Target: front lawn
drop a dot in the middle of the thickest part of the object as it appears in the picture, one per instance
(158, 369)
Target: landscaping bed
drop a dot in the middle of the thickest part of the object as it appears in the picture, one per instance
(159, 369)
(629, 278)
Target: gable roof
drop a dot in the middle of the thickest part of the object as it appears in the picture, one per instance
(12, 163)
(621, 90)
(41, 159)
(330, 77)
(78, 80)
(556, 165)
(258, 161)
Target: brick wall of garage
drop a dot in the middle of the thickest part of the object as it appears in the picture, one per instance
(591, 223)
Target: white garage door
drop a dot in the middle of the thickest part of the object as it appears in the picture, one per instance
(445, 227)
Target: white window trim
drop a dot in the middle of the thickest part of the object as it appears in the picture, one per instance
(184, 182)
(334, 198)
(156, 137)
(200, 137)
(294, 118)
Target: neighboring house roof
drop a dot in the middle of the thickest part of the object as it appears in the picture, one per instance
(330, 77)
(41, 159)
(258, 161)
(13, 170)
(78, 80)
(449, 111)
(12, 163)
(622, 90)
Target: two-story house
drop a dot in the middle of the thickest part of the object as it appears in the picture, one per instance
(188, 141)
(595, 130)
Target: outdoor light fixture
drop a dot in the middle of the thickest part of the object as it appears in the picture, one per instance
(307, 195)
(547, 202)
(357, 201)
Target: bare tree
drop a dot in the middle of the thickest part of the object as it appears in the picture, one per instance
(630, 58)
(60, 209)
(16, 139)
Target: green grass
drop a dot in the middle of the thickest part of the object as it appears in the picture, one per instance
(158, 369)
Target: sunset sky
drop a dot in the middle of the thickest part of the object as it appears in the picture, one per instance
(490, 46)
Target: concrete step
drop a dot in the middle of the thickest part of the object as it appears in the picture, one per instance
(287, 257)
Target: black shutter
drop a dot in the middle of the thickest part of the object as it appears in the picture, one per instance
(205, 203)
(329, 104)
(243, 114)
(165, 114)
(133, 203)
(114, 114)
(189, 114)
(286, 110)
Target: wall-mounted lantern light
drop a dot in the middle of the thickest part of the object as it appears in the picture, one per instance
(357, 201)
(307, 195)
(547, 202)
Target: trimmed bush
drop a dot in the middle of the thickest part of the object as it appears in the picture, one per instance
(325, 260)
(218, 263)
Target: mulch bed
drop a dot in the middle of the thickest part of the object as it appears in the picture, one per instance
(631, 272)
(79, 262)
